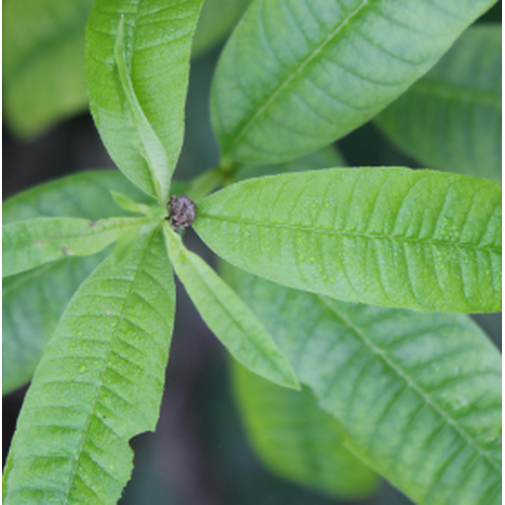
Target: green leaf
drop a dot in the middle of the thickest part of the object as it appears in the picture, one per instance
(27, 327)
(393, 237)
(137, 81)
(32, 304)
(451, 118)
(295, 76)
(216, 21)
(43, 55)
(98, 384)
(84, 195)
(419, 394)
(227, 316)
(129, 204)
(152, 213)
(124, 244)
(43, 62)
(150, 147)
(298, 440)
(29, 244)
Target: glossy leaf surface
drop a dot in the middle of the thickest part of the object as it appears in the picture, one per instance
(298, 440)
(419, 394)
(227, 315)
(451, 118)
(98, 384)
(31, 243)
(393, 237)
(157, 44)
(43, 62)
(295, 76)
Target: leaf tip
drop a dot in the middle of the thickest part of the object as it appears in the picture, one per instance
(295, 385)
(287, 377)
(292, 382)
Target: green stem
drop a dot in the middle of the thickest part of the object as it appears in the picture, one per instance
(205, 184)
(222, 175)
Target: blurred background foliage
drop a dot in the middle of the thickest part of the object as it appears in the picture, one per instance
(200, 453)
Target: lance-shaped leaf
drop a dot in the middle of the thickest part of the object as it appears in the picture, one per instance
(26, 326)
(394, 237)
(129, 204)
(84, 195)
(137, 74)
(298, 440)
(98, 384)
(43, 62)
(148, 143)
(419, 394)
(295, 76)
(44, 78)
(31, 243)
(451, 118)
(228, 316)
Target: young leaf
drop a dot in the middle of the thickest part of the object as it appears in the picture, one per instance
(152, 213)
(227, 316)
(295, 76)
(129, 204)
(111, 348)
(43, 62)
(27, 328)
(137, 75)
(149, 147)
(419, 394)
(298, 440)
(451, 118)
(29, 244)
(84, 195)
(393, 237)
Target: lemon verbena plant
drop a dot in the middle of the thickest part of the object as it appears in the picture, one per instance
(343, 292)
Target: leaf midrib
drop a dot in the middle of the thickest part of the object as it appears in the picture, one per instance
(395, 367)
(106, 360)
(290, 78)
(369, 236)
(85, 233)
